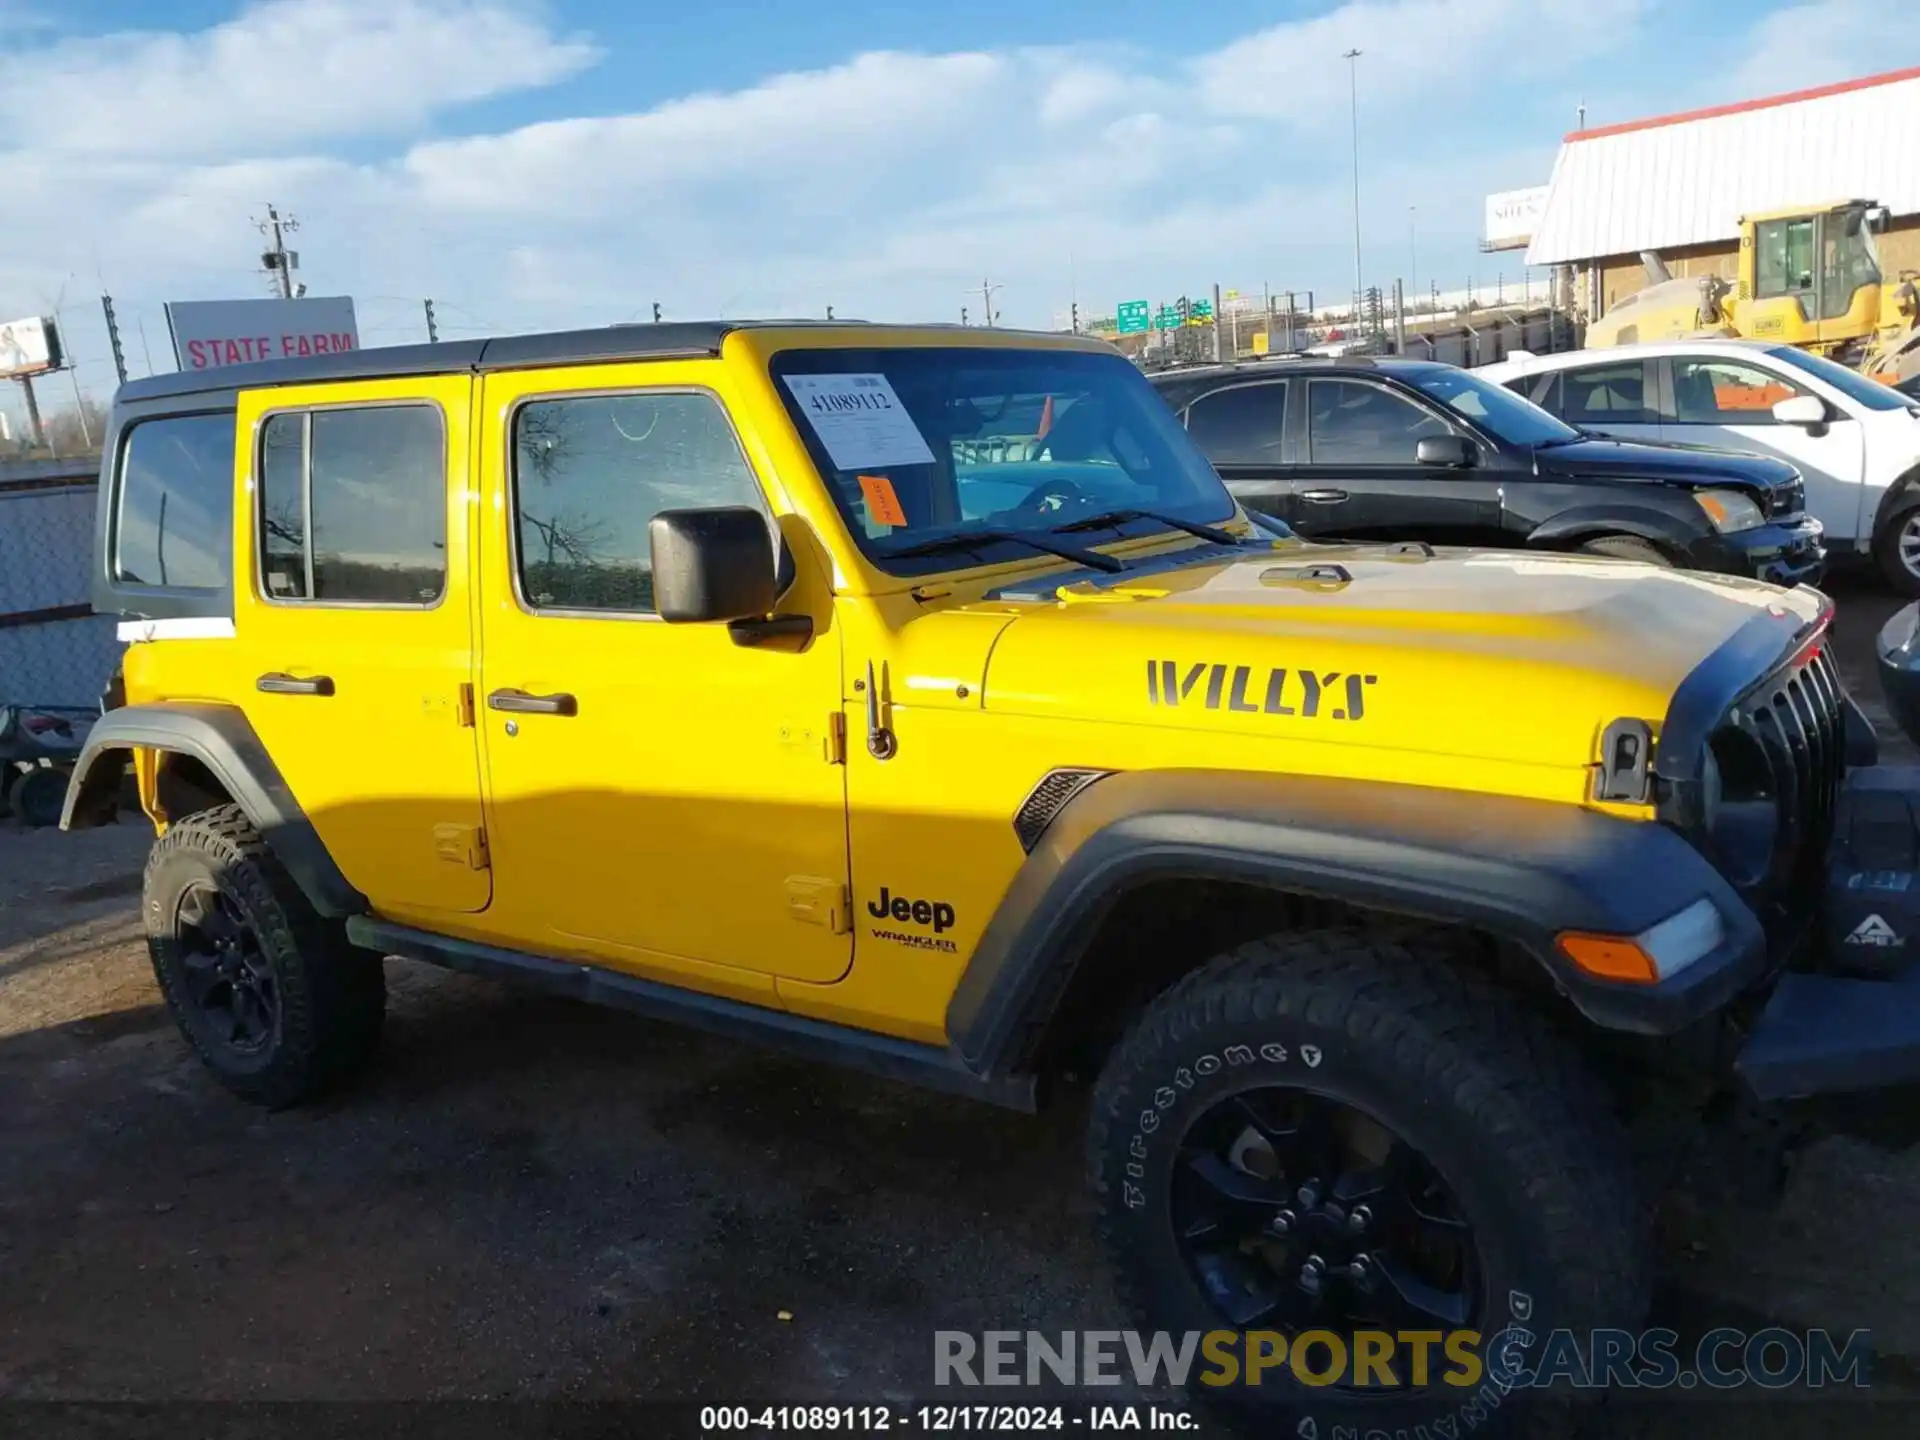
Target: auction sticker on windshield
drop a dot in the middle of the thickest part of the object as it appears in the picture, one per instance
(860, 420)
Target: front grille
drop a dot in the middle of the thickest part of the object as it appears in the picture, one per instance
(1796, 717)
(1788, 499)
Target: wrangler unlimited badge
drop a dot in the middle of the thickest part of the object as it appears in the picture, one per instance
(1277, 691)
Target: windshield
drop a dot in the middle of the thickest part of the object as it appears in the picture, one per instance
(1851, 383)
(923, 445)
(1493, 408)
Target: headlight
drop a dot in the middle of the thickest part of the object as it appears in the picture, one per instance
(1728, 509)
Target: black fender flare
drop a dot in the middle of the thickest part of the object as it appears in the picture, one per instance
(1588, 522)
(220, 738)
(1520, 870)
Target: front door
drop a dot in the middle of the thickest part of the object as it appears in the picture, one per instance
(1728, 404)
(661, 798)
(1359, 479)
(358, 622)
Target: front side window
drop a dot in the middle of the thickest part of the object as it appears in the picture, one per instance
(933, 447)
(589, 474)
(353, 505)
(1493, 408)
(1727, 392)
(1851, 383)
(1783, 258)
(174, 504)
(1596, 396)
(1351, 422)
(1241, 425)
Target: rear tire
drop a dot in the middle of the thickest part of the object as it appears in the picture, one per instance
(1476, 1098)
(1896, 551)
(39, 795)
(1627, 547)
(269, 994)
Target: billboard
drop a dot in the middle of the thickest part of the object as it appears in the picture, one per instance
(1512, 216)
(28, 347)
(210, 333)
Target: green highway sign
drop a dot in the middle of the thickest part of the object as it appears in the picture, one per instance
(1131, 317)
(1167, 319)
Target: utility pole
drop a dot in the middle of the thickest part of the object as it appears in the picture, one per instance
(987, 316)
(1352, 57)
(35, 433)
(279, 262)
(433, 330)
(113, 338)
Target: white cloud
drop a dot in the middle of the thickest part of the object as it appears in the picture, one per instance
(1428, 56)
(888, 185)
(281, 73)
(1821, 43)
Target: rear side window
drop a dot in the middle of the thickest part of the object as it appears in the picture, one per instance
(173, 525)
(1241, 425)
(353, 505)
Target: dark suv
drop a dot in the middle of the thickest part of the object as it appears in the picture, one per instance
(1390, 449)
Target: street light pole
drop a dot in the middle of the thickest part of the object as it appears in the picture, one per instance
(1352, 57)
(1413, 251)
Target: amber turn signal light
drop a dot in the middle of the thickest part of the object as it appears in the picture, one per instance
(1609, 957)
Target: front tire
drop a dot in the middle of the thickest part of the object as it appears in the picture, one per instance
(1627, 547)
(1896, 552)
(268, 993)
(1290, 1138)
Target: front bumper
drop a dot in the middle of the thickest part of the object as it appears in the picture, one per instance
(1788, 552)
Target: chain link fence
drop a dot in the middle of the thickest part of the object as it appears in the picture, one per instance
(53, 649)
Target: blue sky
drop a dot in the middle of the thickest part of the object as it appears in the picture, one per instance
(536, 164)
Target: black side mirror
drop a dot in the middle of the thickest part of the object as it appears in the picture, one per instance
(714, 564)
(1453, 451)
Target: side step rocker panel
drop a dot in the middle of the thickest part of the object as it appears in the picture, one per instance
(933, 1067)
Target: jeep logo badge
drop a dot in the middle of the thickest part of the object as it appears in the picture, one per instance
(937, 913)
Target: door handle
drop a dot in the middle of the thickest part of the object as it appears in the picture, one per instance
(519, 702)
(279, 683)
(1323, 497)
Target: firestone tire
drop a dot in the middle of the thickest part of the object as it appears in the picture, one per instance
(271, 996)
(1449, 1066)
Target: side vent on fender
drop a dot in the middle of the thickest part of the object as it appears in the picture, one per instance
(1048, 799)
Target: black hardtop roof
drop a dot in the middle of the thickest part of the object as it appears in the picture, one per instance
(644, 340)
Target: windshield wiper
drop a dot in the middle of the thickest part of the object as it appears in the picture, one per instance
(1119, 517)
(975, 539)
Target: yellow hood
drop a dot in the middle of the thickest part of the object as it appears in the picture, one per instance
(1522, 658)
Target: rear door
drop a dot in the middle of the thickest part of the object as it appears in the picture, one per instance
(1728, 404)
(356, 616)
(1242, 430)
(1359, 479)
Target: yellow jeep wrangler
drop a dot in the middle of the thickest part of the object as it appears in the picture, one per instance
(919, 698)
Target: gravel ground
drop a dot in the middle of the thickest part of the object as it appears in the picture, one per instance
(530, 1198)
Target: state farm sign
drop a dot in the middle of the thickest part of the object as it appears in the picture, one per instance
(210, 333)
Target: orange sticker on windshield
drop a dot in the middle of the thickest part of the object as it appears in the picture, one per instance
(883, 506)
